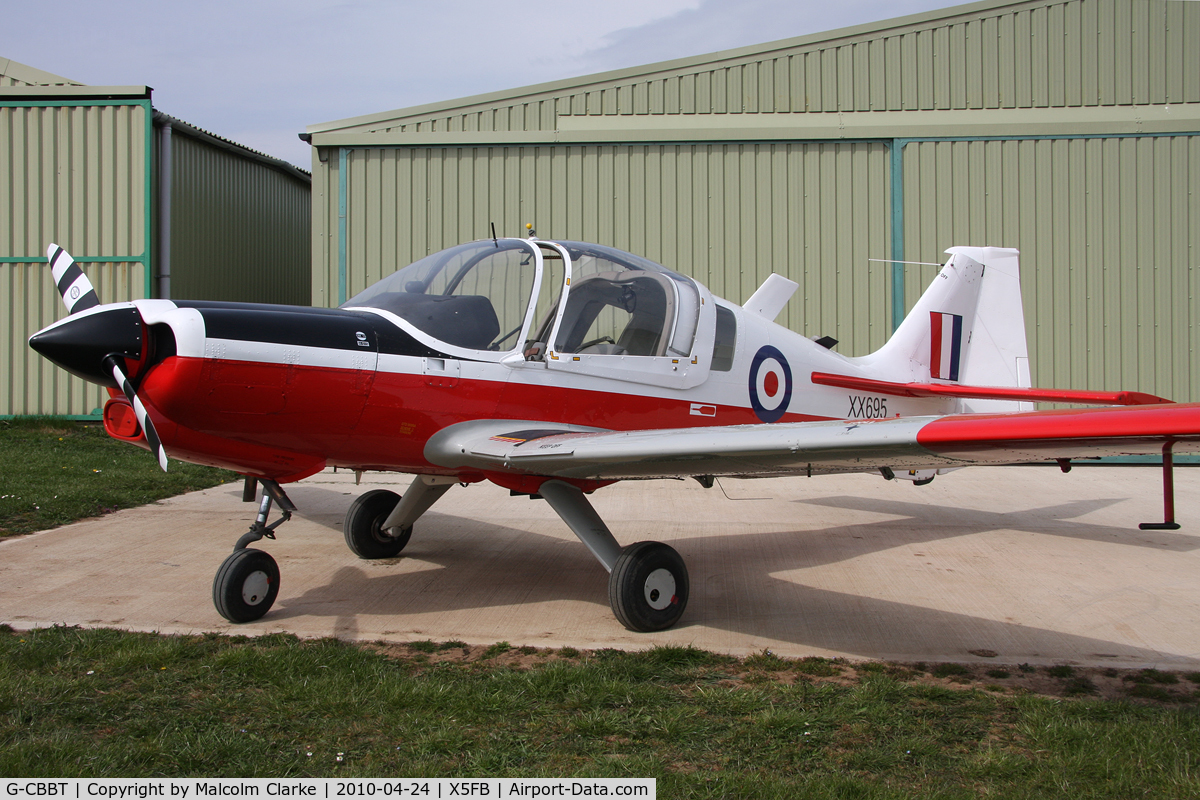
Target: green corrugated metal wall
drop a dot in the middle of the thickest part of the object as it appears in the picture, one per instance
(1109, 234)
(75, 175)
(239, 231)
(76, 168)
(1106, 217)
(728, 214)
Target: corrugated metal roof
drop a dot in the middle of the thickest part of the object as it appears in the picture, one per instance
(987, 55)
(14, 73)
(161, 119)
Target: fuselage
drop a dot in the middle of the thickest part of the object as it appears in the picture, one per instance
(282, 391)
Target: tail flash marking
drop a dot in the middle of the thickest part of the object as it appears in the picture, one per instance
(945, 343)
(75, 288)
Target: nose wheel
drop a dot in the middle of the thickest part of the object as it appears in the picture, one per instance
(246, 585)
(247, 582)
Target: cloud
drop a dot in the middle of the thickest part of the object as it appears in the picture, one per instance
(261, 72)
(716, 25)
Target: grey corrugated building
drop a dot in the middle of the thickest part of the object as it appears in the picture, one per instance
(1067, 128)
(149, 205)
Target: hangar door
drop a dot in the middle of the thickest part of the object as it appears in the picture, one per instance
(1109, 230)
(728, 214)
(76, 171)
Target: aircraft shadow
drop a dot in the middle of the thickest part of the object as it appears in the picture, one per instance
(467, 564)
(1056, 520)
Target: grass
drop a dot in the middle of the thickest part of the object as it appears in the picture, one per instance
(105, 703)
(55, 471)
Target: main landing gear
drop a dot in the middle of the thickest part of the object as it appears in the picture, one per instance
(247, 582)
(647, 586)
(379, 523)
(648, 581)
(365, 535)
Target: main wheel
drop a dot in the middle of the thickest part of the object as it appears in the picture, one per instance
(246, 585)
(364, 535)
(648, 587)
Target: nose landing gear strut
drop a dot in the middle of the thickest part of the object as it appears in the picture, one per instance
(247, 582)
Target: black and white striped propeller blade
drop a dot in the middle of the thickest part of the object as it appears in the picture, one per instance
(114, 365)
(78, 294)
(76, 290)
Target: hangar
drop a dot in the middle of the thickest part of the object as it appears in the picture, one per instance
(1069, 129)
(149, 205)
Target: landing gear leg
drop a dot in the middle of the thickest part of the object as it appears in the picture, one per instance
(648, 581)
(247, 582)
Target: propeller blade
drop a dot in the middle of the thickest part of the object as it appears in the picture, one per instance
(114, 332)
(114, 365)
(76, 290)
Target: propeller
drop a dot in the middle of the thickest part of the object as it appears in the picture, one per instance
(76, 290)
(107, 336)
(113, 364)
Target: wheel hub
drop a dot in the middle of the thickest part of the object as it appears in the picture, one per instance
(660, 589)
(254, 588)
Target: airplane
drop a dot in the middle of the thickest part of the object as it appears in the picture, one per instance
(554, 368)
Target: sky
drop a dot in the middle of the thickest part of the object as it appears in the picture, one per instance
(259, 72)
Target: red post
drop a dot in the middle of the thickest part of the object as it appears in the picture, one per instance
(1168, 523)
(1168, 485)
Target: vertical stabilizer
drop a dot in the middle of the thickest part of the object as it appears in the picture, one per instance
(999, 353)
(967, 328)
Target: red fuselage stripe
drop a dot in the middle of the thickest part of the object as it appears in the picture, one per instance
(381, 420)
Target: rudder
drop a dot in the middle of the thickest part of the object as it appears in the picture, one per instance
(968, 328)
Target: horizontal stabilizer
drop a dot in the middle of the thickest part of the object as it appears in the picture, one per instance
(987, 392)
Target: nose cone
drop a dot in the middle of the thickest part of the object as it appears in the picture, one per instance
(80, 343)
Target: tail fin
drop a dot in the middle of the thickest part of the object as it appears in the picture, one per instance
(968, 327)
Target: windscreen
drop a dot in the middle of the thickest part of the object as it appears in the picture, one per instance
(474, 295)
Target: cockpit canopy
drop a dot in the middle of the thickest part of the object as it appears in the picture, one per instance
(622, 304)
(505, 294)
(472, 296)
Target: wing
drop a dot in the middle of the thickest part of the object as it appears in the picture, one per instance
(811, 448)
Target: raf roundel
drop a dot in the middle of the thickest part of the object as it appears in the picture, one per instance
(770, 384)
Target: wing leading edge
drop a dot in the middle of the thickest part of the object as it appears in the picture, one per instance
(812, 448)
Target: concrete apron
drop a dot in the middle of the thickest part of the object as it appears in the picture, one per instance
(1022, 562)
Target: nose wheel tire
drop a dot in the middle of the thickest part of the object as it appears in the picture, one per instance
(246, 585)
(648, 587)
(364, 536)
